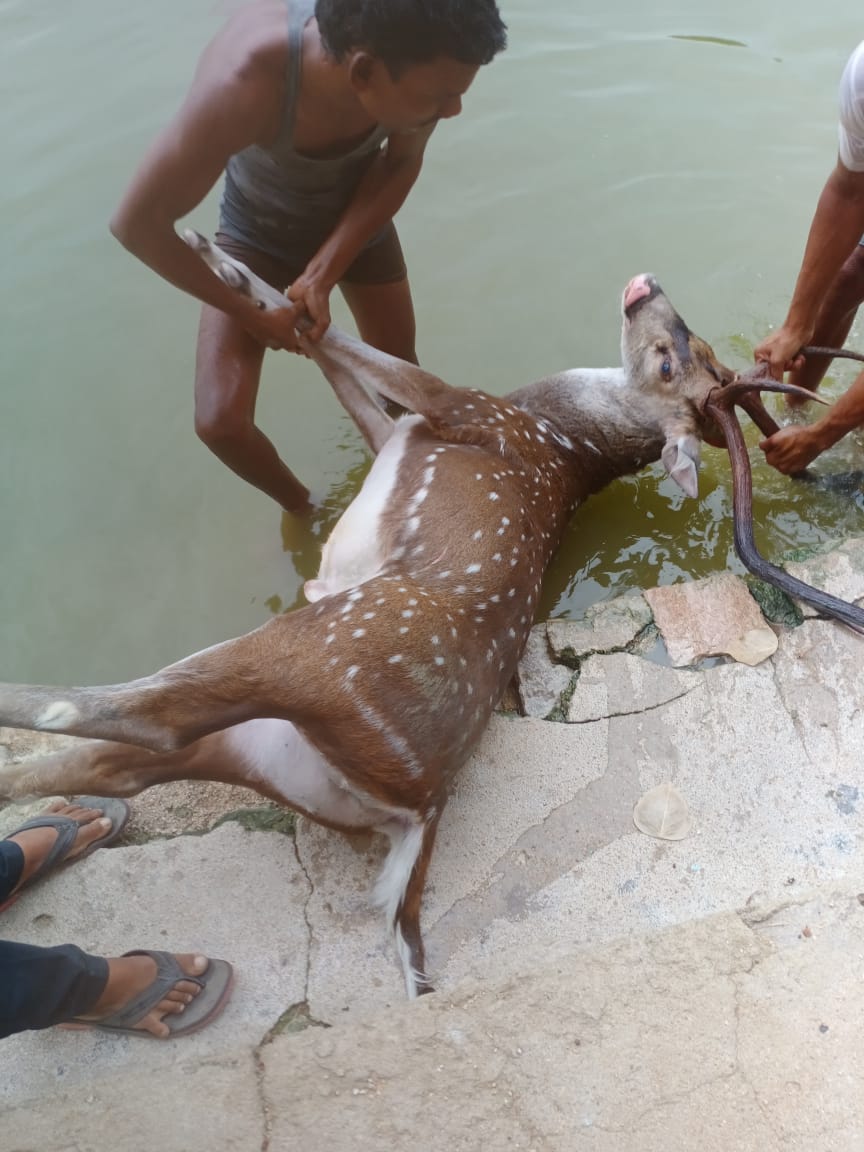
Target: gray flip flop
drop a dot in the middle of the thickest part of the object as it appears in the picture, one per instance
(215, 984)
(67, 829)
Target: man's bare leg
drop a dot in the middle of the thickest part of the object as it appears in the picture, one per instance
(836, 317)
(384, 315)
(227, 376)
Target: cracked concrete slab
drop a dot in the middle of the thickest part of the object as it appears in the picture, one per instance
(523, 771)
(698, 1035)
(762, 811)
(838, 571)
(538, 873)
(820, 678)
(618, 684)
(233, 894)
(205, 1103)
(607, 627)
(541, 681)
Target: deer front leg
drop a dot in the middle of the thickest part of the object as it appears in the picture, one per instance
(356, 371)
(251, 676)
(362, 406)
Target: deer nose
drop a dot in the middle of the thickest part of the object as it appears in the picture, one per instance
(638, 288)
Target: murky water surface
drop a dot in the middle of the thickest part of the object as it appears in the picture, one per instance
(688, 141)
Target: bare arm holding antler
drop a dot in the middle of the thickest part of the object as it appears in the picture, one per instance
(357, 372)
(834, 233)
(792, 448)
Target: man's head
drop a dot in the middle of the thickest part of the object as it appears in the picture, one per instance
(411, 61)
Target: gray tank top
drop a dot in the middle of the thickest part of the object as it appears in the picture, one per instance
(279, 201)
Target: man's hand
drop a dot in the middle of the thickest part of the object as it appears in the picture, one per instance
(791, 449)
(274, 327)
(310, 293)
(781, 351)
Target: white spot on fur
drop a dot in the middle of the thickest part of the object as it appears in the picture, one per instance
(59, 714)
(472, 568)
(357, 633)
(395, 660)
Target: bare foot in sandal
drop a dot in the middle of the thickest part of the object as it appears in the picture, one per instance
(129, 976)
(146, 993)
(58, 836)
(37, 844)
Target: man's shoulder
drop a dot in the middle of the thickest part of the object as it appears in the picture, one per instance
(852, 111)
(254, 39)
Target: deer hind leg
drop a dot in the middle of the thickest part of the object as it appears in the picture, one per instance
(399, 891)
(270, 756)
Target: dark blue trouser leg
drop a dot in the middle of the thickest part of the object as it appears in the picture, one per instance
(40, 987)
(11, 867)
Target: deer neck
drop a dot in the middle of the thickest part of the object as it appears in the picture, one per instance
(609, 426)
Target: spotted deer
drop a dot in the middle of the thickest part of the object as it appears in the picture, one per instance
(358, 708)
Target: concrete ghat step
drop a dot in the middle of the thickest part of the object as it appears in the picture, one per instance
(724, 1032)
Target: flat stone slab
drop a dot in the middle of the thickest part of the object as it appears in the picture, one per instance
(608, 627)
(541, 681)
(711, 617)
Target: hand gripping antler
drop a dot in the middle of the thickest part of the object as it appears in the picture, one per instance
(720, 407)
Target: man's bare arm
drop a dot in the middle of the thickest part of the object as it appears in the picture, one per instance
(229, 107)
(379, 196)
(836, 228)
(791, 449)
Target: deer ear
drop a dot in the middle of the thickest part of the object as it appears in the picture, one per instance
(681, 460)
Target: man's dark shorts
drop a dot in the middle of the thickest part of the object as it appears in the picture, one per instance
(380, 262)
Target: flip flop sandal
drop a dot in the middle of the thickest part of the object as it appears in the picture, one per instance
(215, 984)
(117, 812)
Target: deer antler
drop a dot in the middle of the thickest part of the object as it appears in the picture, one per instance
(719, 406)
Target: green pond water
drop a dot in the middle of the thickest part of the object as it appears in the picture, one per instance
(687, 140)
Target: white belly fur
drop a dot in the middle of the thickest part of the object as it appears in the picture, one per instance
(353, 553)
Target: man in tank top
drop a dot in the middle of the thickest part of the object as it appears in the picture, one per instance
(829, 289)
(318, 114)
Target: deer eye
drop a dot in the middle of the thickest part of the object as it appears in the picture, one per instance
(666, 369)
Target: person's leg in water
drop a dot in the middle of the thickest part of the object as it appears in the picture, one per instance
(377, 291)
(227, 377)
(835, 320)
(229, 360)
